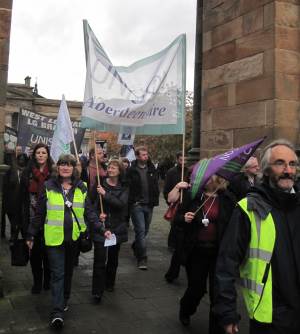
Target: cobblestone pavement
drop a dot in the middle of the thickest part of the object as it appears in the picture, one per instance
(141, 303)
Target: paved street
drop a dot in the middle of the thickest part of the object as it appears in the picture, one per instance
(141, 303)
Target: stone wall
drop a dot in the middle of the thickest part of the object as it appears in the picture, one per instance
(250, 72)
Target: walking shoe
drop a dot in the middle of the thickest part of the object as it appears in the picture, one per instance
(57, 323)
(184, 319)
(169, 279)
(66, 307)
(97, 299)
(142, 264)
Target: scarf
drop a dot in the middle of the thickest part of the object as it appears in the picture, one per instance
(38, 179)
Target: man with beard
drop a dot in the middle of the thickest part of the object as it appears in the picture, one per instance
(261, 245)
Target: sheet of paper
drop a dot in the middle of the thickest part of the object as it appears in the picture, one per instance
(110, 242)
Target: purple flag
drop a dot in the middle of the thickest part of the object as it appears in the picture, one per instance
(225, 165)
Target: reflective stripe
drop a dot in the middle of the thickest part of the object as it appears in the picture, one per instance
(260, 254)
(54, 223)
(78, 205)
(55, 207)
(252, 285)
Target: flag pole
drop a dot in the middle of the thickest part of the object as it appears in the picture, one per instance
(98, 176)
(183, 163)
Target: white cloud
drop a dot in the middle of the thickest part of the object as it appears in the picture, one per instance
(47, 38)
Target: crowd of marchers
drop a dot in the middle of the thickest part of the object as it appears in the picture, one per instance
(239, 234)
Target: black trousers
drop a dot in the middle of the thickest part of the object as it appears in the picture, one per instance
(279, 327)
(106, 260)
(200, 268)
(39, 264)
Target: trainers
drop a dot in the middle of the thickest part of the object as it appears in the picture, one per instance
(66, 307)
(57, 323)
(142, 265)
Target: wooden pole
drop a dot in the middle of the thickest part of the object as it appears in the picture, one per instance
(98, 176)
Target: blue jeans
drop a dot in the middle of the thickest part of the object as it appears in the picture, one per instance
(141, 216)
(61, 261)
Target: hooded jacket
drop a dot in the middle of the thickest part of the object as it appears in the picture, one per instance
(285, 262)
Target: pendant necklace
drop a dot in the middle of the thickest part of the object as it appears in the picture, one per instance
(205, 220)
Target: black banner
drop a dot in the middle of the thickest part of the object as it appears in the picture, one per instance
(35, 128)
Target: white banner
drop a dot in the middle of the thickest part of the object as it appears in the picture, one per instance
(149, 92)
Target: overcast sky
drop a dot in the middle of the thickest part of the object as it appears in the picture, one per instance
(47, 38)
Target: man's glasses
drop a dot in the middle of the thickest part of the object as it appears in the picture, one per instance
(282, 164)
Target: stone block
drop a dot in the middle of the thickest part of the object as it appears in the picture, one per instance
(207, 44)
(286, 132)
(6, 4)
(206, 120)
(236, 71)
(219, 55)
(255, 90)
(219, 13)
(269, 62)
(287, 14)
(249, 5)
(286, 114)
(255, 43)
(247, 135)
(287, 86)
(287, 38)
(228, 31)
(231, 95)
(4, 51)
(287, 61)
(216, 140)
(269, 14)
(253, 21)
(5, 19)
(243, 116)
(215, 98)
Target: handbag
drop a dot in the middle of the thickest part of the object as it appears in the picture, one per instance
(171, 211)
(85, 242)
(19, 251)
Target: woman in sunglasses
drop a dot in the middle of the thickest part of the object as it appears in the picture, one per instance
(62, 198)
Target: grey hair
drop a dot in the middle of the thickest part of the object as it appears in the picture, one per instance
(266, 153)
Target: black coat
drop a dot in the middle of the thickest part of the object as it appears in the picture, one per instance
(285, 262)
(173, 176)
(115, 206)
(37, 223)
(135, 189)
(187, 233)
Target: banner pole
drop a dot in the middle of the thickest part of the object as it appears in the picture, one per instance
(183, 163)
(98, 176)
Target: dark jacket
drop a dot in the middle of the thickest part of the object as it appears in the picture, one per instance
(190, 231)
(285, 262)
(135, 189)
(115, 205)
(173, 176)
(38, 221)
(239, 185)
(25, 179)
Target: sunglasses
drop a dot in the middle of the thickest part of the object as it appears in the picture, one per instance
(65, 163)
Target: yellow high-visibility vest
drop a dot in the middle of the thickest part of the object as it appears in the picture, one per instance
(256, 270)
(54, 225)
